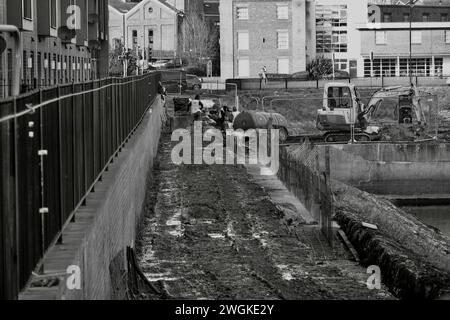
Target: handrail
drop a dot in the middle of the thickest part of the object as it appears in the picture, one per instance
(33, 109)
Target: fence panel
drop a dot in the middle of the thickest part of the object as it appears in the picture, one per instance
(304, 177)
(29, 200)
(8, 239)
(80, 127)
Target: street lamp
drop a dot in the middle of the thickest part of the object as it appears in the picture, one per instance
(411, 4)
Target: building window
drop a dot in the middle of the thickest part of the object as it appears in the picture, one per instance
(331, 35)
(242, 12)
(380, 37)
(243, 67)
(331, 16)
(438, 67)
(447, 36)
(387, 17)
(380, 67)
(27, 9)
(282, 11)
(243, 40)
(24, 67)
(331, 41)
(340, 64)
(425, 17)
(416, 37)
(53, 14)
(444, 17)
(283, 65)
(55, 72)
(150, 45)
(283, 40)
(420, 67)
(406, 17)
(134, 35)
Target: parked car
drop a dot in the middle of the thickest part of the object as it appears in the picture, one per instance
(171, 80)
(277, 76)
(339, 75)
(302, 75)
(193, 82)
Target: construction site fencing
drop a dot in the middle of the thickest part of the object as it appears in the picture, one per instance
(289, 83)
(55, 144)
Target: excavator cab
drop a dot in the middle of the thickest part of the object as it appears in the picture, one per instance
(340, 107)
(405, 109)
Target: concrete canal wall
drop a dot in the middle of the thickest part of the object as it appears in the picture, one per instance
(414, 259)
(96, 241)
(393, 169)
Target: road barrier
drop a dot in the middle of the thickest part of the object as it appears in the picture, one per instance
(55, 144)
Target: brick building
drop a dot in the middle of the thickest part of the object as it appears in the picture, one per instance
(388, 39)
(63, 41)
(285, 35)
(257, 33)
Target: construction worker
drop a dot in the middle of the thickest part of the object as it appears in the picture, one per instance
(264, 75)
(196, 108)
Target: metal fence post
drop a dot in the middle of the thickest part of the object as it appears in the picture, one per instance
(61, 175)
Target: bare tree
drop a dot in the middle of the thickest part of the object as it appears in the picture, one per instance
(118, 56)
(199, 39)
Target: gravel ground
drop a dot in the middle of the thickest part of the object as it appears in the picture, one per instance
(210, 232)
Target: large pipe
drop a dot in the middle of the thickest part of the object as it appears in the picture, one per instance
(18, 56)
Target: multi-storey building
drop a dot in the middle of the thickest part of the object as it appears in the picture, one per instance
(388, 42)
(151, 28)
(258, 33)
(346, 31)
(63, 41)
(335, 34)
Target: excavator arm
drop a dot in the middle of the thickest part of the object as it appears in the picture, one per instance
(394, 92)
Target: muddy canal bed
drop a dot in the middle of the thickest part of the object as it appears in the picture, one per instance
(210, 232)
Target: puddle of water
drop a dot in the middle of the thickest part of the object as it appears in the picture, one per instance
(175, 221)
(154, 277)
(230, 231)
(216, 235)
(258, 236)
(286, 274)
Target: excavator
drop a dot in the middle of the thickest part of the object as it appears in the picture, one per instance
(343, 115)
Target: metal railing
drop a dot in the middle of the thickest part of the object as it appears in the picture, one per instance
(290, 83)
(55, 144)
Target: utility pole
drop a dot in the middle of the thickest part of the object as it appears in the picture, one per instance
(411, 4)
(410, 41)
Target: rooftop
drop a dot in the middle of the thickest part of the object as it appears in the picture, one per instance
(122, 6)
